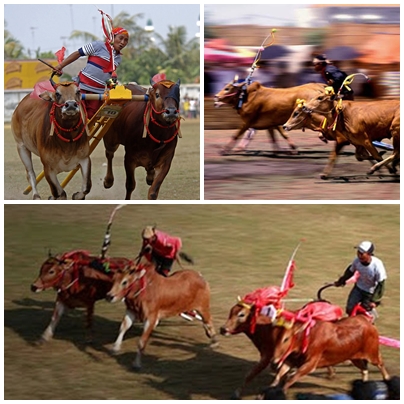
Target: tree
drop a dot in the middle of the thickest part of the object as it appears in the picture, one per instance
(12, 47)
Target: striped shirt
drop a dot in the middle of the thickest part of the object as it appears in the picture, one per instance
(92, 78)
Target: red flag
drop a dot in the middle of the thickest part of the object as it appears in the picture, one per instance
(60, 54)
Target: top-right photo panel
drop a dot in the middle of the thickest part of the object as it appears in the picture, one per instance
(302, 102)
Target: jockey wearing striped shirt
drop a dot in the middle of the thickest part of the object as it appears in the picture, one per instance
(103, 59)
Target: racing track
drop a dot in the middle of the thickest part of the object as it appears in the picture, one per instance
(261, 174)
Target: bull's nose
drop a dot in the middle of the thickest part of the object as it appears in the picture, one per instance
(33, 288)
(223, 330)
(108, 298)
(285, 127)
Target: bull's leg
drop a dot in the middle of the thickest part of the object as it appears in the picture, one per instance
(57, 314)
(332, 159)
(235, 138)
(256, 370)
(85, 167)
(161, 173)
(130, 184)
(282, 371)
(149, 325)
(109, 154)
(245, 141)
(26, 158)
(362, 365)
(287, 138)
(56, 190)
(125, 325)
(89, 322)
(209, 327)
(303, 370)
(150, 174)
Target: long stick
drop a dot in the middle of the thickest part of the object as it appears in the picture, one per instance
(107, 237)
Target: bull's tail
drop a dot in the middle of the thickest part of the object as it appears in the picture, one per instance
(186, 257)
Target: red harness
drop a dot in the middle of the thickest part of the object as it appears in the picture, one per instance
(59, 127)
(177, 122)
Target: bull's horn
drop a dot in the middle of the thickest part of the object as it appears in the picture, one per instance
(152, 82)
(54, 85)
(178, 82)
(49, 253)
(235, 80)
(329, 90)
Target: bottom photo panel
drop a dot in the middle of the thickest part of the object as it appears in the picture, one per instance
(201, 301)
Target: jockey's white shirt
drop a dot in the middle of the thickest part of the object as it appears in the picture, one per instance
(369, 275)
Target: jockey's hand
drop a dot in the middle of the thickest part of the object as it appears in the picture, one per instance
(339, 282)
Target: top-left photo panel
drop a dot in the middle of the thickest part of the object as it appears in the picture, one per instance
(102, 102)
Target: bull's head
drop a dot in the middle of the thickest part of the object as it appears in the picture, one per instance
(239, 319)
(125, 283)
(67, 96)
(229, 93)
(50, 274)
(165, 100)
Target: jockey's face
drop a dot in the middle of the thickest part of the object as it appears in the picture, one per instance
(364, 258)
(318, 67)
(120, 41)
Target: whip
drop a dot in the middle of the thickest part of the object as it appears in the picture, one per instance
(107, 237)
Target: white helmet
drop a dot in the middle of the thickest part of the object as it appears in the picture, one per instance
(365, 247)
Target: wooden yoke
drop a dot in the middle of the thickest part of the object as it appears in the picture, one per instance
(98, 125)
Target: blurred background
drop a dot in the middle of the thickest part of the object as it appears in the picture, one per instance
(357, 38)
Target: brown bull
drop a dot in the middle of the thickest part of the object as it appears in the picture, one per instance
(149, 133)
(152, 297)
(263, 330)
(78, 283)
(360, 122)
(264, 108)
(327, 344)
(53, 128)
(300, 120)
(263, 338)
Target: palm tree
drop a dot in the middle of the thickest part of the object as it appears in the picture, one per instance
(12, 47)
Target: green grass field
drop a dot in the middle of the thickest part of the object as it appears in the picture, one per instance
(181, 183)
(238, 248)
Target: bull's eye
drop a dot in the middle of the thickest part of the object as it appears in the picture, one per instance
(58, 95)
(295, 114)
(124, 283)
(157, 95)
(286, 339)
(241, 314)
(51, 272)
(321, 98)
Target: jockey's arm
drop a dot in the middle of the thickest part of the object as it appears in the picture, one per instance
(70, 59)
(347, 275)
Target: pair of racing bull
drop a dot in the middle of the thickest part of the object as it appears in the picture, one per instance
(82, 279)
(316, 107)
(53, 127)
(295, 343)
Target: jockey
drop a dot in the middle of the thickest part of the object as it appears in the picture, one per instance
(332, 75)
(370, 285)
(162, 248)
(103, 59)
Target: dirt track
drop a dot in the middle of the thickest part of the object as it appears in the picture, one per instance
(261, 174)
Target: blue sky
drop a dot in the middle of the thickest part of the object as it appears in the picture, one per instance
(48, 26)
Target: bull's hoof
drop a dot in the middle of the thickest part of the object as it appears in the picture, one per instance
(36, 197)
(214, 345)
(370, 172)
(324, 176)
(224, 152)
(108, 183)
(78, 196)
(136, 366)
(114, 351)
(293, 152)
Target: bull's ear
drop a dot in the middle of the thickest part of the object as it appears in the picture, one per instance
(47, 96)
